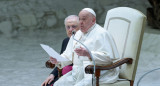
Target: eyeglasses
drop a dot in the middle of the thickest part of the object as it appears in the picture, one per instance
(73, 26)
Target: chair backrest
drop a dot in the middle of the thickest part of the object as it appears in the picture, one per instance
(126, 25)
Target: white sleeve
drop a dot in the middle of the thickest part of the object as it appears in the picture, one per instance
(66, 54)
(101, 50)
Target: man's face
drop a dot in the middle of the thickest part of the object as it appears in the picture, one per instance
(86, 21)
(71, 25)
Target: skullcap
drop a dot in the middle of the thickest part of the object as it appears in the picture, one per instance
(90, 10)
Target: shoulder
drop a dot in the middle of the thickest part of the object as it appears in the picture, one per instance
(66, 39)
(78, 33)
(100, 30)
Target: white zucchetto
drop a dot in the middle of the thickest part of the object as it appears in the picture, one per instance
(90, 10)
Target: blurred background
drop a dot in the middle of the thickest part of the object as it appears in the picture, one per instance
(24, 24)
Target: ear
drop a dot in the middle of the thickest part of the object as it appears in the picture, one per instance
(94, 19)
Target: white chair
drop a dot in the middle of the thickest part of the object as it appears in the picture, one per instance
(126, 25)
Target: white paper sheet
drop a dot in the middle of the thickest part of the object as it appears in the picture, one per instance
(51, 52)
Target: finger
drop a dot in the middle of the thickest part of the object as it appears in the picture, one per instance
(50, 81)
(42, 84)
(47, 80)
(45, 83)
(78, 54)
(76, 50)
(81, 47)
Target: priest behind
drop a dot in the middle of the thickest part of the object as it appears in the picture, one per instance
(98, 41)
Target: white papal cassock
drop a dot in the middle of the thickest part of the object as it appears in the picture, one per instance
(101, 45)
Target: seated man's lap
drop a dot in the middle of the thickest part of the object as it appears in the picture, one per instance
(66, 80)
(85, 82)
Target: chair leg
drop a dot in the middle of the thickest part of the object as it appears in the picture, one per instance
(97, 77)
(131, 83)
(97, 81)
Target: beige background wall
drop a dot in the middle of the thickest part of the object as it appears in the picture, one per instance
(18, 15)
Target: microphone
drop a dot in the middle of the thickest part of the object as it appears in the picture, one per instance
(73, 32)
(93, 78)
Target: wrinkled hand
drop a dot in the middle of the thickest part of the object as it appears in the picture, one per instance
(82, 52)
(49, 79)
(53, 60)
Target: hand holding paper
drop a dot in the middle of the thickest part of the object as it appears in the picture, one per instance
(53, 60)
(51, 52)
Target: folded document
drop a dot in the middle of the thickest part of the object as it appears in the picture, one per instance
(51, 52)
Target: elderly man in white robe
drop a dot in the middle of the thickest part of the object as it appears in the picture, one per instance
(99, 42)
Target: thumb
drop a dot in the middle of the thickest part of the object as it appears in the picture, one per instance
(81, 47)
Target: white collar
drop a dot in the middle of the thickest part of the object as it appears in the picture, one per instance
(90, 29)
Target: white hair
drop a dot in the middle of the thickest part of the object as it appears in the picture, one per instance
(70, 17)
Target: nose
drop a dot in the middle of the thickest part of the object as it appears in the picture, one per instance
(70, 29)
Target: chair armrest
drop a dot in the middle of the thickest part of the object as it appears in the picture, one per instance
(89, 68)
(49, 64)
